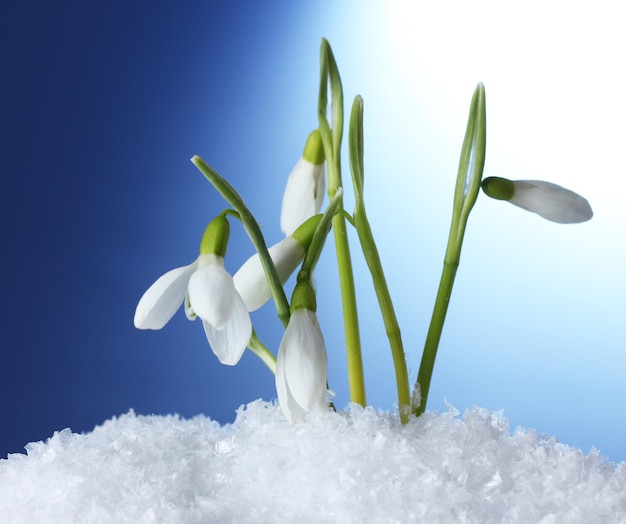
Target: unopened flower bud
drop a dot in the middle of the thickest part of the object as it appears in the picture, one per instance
(548, 200)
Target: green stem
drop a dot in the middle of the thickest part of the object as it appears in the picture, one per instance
(420, 395)
(372, 258)
(385, 303)
(253, 230)
(331, 139)
(350, 314)
(259, 349)
(318, 240)
(466, 191)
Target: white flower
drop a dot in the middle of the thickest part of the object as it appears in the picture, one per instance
(304, 192)
(251, 282)
(211, 295)
(548, 200)
(551, 201)
(303, 195)
(301, 367)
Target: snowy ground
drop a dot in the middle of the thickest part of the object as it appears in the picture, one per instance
(352, 467)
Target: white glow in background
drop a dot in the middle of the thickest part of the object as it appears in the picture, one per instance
(535, 325)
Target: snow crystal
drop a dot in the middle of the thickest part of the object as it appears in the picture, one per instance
(349, 467)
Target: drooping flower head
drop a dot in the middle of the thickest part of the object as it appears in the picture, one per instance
(548, 200)
(301, 366)
(250, 280)
(304, 192)
(209, 293)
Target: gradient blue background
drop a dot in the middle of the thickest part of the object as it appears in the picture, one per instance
(104, 103)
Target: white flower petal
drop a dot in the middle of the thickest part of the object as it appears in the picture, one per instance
(303, 197)
(305, 363)
(288, 405)
(230, 342)
(302, 357)
(212, 293)
(161, 300)
(250, 281)
(551, 201)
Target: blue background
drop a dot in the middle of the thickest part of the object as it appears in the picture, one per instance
(103, 104)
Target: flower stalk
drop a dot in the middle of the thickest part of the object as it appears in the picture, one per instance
(253, 230)
(331, 139)
(261, 351)
(466, 191)
(374, 264)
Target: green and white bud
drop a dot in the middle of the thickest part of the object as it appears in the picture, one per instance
(548, 200)
(304, 192)
(250, 280)
(301, 365)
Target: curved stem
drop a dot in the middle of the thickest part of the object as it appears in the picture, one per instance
(253, 230)
(467, 186)
(259, 349)
(318, 240)
(374, 264)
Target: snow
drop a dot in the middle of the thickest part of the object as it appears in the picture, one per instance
(354, 466)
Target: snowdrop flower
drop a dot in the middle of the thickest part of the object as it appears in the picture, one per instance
(209, 293)
(301, 361)
(250, 280)
(304, 192)
(548, 200)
